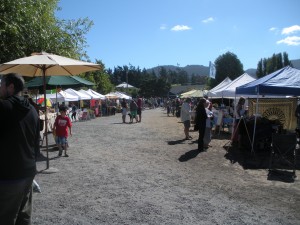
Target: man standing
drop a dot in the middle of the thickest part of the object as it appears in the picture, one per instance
(19, 141)
(74, 112)
(139, 109)
(200, 122)
(185, 115)
(124, 110)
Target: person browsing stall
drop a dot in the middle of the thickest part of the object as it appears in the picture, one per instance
(200, 122)
(239, 113)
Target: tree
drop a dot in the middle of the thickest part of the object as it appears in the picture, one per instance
(29, 26)
(269, 65)
(227, 65)
(154, 87)
(101, 78)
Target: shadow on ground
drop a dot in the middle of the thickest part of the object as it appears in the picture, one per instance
(189, 155)
(176, 142)
(279, 169)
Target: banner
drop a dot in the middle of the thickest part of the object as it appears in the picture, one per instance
(282, 110)
(212, 70)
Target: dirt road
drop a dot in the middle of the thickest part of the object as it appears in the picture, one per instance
(145, 173)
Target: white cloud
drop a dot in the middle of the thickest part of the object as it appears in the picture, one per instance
(291, 40)
(290, 30)
(163, 27)
(273, 29)
(181, 28)
(208, 20)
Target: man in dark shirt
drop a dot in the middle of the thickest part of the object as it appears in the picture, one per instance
(19, 147)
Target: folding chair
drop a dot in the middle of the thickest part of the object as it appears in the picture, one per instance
(284, 150)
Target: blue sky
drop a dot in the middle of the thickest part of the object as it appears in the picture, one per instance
(149, 33)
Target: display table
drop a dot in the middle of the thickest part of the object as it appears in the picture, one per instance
(51, 119)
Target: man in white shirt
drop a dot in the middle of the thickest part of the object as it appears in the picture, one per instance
(185, 115)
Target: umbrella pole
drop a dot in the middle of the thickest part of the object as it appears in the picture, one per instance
(46, 117)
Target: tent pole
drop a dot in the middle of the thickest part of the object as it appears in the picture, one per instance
(255, 119)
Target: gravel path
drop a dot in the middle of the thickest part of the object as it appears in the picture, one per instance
(144, 173)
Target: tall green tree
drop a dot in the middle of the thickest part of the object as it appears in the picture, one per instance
(227, 65)
(28, 26)
(275, 62)
(101, 79)
(154, 87)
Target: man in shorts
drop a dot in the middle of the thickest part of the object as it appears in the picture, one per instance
(61, 125)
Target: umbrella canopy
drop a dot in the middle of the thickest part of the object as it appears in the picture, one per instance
(57, 81)
(46, 64)
(83, 81)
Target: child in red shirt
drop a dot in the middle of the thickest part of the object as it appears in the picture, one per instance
(61, 125)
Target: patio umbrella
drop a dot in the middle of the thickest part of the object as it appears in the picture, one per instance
(45, 64)
(41, 101)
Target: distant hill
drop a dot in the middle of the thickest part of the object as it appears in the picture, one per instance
(251, 72)
(199, 70)
(296, 63)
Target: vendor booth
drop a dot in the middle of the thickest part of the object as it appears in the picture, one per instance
(284, 82)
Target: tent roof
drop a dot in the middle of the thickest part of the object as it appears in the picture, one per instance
(96, 93)
(228, 91)
(124, 85)
(80, 95)
(193, 94)
(285, 81)
(62, 96)
(225, 82)
(90, 94)
(121, 95)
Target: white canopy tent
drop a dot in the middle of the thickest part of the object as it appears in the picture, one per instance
(90, 94)
(193, 94)
(81, 96)
(228, 91)
(95, 93)
(112, 96)
(124, 85)
(62, 96)
(225, 82)
(121, 95)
